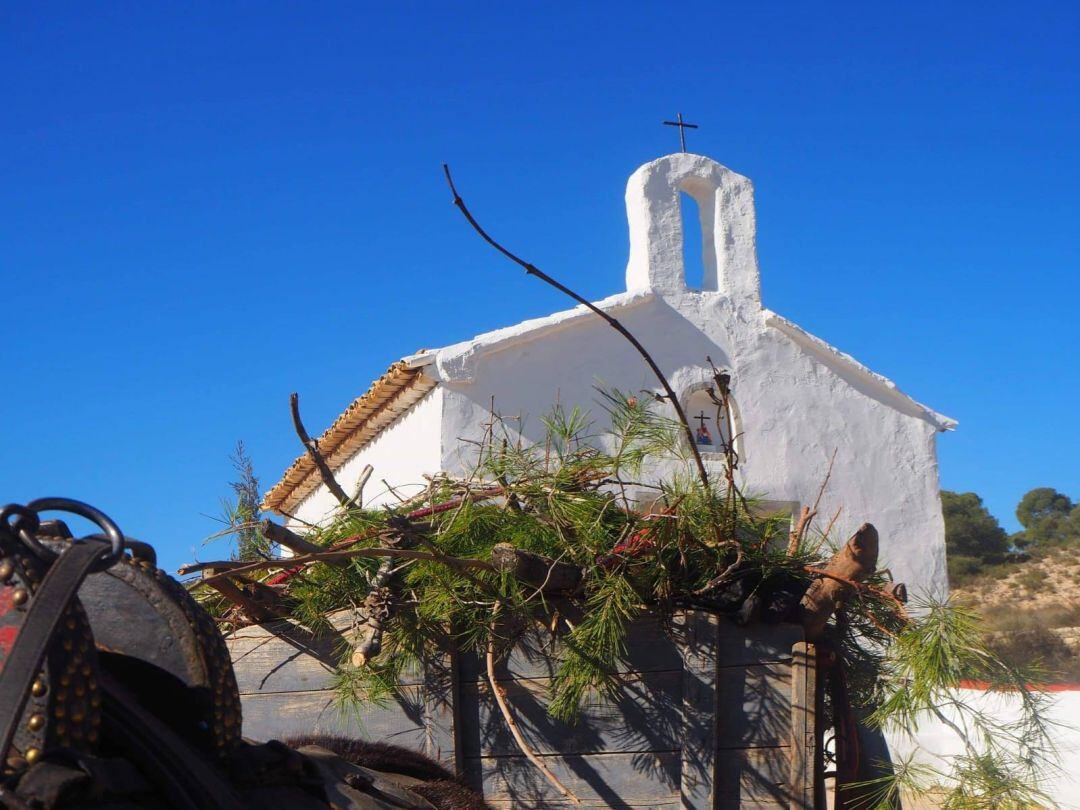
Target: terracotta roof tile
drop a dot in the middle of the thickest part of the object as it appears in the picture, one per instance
(387, 398)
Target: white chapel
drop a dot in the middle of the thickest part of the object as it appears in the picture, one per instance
(797, 400)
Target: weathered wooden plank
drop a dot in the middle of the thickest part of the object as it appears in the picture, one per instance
(698, 737)
(298, 663)
(511, 804)
(755, 643)
(650, 648)
(339, 620)
(751, 775)
(645, 715)
(753, 706)
(285, 657)
(649, 779)
(803, 727)
(440, 692)
(276, 716)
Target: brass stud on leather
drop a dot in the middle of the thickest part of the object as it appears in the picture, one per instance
(6, 570)
(39, 688)
(20, 596)
(36, 722)
(32, 755)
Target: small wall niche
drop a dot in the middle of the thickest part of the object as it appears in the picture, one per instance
(713, 426)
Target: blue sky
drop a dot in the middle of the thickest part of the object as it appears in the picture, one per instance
(205, 207)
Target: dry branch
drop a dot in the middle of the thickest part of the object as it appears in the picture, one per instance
(841, 576)
(546, 575)
(312, 448)
(327, 556)
(613, 322)
(365, 474)
(376, 610)
(277, 533)
(808, 513)
(500, 699)
(261, 606)
(219, 565)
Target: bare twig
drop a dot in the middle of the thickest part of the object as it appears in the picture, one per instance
(262, 606)
(392, 491)
(795, 536)
(500, 699)
(312, 448)
(825, 481)
(613, 322)
(724, 575)
(829, 527)
(365, 474)
(808, 513)
(279, 534)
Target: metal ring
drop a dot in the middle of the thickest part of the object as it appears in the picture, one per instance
(21, 514)
(112, 532)
(25, 527)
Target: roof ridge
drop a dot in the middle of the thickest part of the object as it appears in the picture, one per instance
(829, 354)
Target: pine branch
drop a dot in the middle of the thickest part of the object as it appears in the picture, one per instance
(328, 556)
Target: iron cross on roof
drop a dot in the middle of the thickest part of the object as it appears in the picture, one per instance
(682, 129)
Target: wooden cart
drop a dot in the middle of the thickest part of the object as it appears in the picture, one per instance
(708, 715)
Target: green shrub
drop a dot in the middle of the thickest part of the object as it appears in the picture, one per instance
(1038, 646)
(1032, 579)
(963, 570)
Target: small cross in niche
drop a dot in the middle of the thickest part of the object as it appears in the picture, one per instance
(703, 436)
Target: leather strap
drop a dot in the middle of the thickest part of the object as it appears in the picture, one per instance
(47, 607)
(180, 773)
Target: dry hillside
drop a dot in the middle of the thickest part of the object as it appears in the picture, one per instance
(1032, 610)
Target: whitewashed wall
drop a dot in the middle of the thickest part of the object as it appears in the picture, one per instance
(935, 743)
(402, 454)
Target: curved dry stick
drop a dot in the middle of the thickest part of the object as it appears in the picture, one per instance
(533, 270)
(500, 698)
(312, 448)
